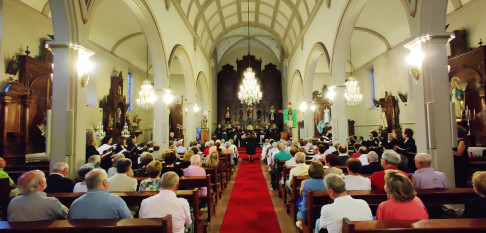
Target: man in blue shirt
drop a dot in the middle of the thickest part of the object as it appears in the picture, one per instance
(280, 156)
(98, 203)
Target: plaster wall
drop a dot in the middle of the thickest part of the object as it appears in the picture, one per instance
(471, 18)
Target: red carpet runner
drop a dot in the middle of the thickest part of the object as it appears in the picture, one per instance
(243, 155)
(250, 208)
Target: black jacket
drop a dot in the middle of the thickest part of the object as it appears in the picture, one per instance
(58, 184)
(370, 168)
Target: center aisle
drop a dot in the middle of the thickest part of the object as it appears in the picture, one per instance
(250, 208)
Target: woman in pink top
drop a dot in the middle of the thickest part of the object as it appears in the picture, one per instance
(402, 204)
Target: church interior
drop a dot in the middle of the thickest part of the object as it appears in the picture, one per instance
(243, 75)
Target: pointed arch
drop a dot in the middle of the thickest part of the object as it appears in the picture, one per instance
(296, 89)
(317, 50)
(202, 82)
(180, 53)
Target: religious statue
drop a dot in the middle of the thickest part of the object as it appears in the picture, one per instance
(118, 116)
(110, 121)
(241, 114)
(271, 117)
(138, 119)
(389, 106)
(457, 96)
(259, 114)
(384, 123)
(325, 119)
(204, 123)
(127, 119)
(227, 115)
(290, 116)
(249, 111)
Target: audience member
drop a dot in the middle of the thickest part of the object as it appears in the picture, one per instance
(178, 208)
(343, 155)
(425, 177)
(98, 203)
(373, 165)
(121, 182)
(291, 161)
(301, 169)
(195, 169)
(331, 162)
(363, 155)
(33, 204)
(280, 156)
(170, 165)
(154, 169)
(57, 181)
(314, 183)
(344, 206)
(145, 159)
(180, 149)
(354, 181)
(82, 171)
(4, 175)
(157, 152)
(95, 160)
(186, 161)
(112, 170)
(389, 160)
(212, 160)
(475, 207)
(403, 204)
(321, 149)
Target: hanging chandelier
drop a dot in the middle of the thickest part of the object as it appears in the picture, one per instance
(249, 89)
(146, 96)
(352, 94)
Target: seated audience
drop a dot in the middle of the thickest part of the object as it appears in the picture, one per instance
(4, 175)
(32, 204)
(195, 169)
(344, 206)
(121, 182)
(145, 159)
(95, 160)
(112, 171)
(321, 149)
(98, 203)
(301, 169)
(235, 153)
(157, 152)
(363, 155)
(475, 207)
(208, 146)
(186, 161)
(357, 153)
(425, 177)
(389, 160)
(314, 183)
(212, 160)
(343, 155)
(331, 162)
(373, 164)
(57, 181)
(170, 165)
(292, 161)
(82, 171)
(202, 145)
(280, 156)
(178, 208)
(402, 204)
(354, 181)
(180, 149)
(154, 169)
(195, 150)
(165, 153)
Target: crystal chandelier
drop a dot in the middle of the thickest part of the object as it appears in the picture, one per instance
(249, 89)
(146, 96)
(352, 94)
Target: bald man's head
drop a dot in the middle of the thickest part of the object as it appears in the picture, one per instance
(300, 157)
(32, 181)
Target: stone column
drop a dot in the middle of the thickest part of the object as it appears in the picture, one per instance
(190, 124)
(160, 129)
(338, 116)
(309, 122)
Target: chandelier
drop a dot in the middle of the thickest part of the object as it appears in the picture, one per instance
(249, 89)
(352, 94)
(146, 96)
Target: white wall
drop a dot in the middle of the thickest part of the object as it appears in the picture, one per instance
(22, 26)
(471, 18)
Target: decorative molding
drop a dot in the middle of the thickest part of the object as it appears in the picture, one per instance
(167, 4)
(412, 6)
(328, 3)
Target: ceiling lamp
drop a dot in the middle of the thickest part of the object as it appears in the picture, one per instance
(352, 94)
(146, 96)
(249, 92)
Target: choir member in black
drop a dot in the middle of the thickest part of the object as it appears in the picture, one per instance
(90, 144)
(239, 132)
(231, 132)
(121, 144)
(409, 149)
(266, 132)
(172, 138)
(397, 139)
(387, 143)
(373, 143)
(258, 132)
(251, 144)
(274, 133)
(461, 159)
(219, 132)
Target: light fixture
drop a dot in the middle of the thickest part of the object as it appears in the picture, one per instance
(303, 106)
(196, 108)
(83, 65)
(416, 56)
(313, 106)
(352, 94)
(249, 92)
(168, 97)
(330, 93)
(146, 96)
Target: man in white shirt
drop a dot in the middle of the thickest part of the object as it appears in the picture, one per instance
(344, 206)
(122, 182)
(180, 149)
(425, 177)
(301, 169)
(271, 152)
(363, 151)
(354, 181)
(167, 202)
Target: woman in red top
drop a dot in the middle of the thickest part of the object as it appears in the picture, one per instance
(402, 204)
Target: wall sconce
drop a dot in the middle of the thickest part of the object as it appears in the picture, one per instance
(84, 66)
(168, 97)
(196, 108)
(313, 106)
(416, 56)
(330, 93)
(303, 106)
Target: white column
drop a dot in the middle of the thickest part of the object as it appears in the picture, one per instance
(160, 129)
(190, 124)
(338, 116)
(309, 123)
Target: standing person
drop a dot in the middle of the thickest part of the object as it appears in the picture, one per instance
(239, 132)
(121, 145)
(251, 145)
(461, 159)
(258, 132)
(219, 132)
(231, 132)
(266, 131)
(90, 144)
(409, 149)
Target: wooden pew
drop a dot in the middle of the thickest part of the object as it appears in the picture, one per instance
(431, 198)
(285, 176)
(159, 225)
(295, 195)
(192, 182)
(214, 181)
(407, 226)
(280, 165)
(4, 196)
(223, 168)
(136, 198)
(228, 165)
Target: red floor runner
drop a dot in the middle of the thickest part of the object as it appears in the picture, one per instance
(243, 155)
(250, 208)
